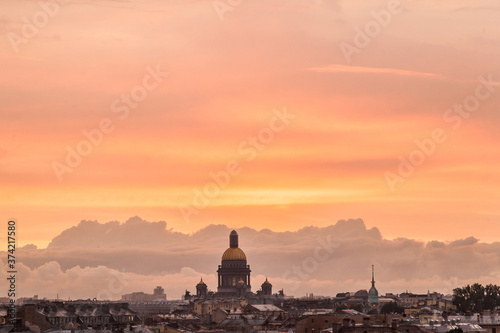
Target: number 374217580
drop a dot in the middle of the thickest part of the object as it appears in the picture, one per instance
(11, 241)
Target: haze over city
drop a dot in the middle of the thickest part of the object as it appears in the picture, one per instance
(135, 135)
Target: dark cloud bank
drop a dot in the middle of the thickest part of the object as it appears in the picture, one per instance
(106, 260)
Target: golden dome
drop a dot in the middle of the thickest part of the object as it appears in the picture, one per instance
(201, 282)
(234, 253)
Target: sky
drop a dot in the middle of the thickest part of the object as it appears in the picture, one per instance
(266, 114)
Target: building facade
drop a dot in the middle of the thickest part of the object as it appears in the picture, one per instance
(158, 294)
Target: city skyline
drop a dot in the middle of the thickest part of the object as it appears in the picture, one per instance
(107, 260)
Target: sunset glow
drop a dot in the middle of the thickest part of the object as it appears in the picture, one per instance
(116, 109)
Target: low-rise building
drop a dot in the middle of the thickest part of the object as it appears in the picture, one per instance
(317, 323)
(158, 294)
(205, 308)
(76, 315)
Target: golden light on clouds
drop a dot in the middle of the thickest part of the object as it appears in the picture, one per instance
(353, 121)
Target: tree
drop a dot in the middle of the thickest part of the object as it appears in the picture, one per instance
(340, 308)
(491, 296)
(475, 298)
(391, 307)
(357, 307)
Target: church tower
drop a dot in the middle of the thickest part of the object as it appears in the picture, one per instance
(373, 293)
(201, 289)
(267, 288)
(233, 272)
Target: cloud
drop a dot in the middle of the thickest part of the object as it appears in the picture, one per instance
(336, 68)
(82, 260)
(473, 9)
(464, 242)
(51, 281)
(91, 234)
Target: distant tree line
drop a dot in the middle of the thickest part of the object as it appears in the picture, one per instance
(391, 307)
(476, 298)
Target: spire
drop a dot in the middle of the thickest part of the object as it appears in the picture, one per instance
(373, 276)
(373, 293)
(233, 239)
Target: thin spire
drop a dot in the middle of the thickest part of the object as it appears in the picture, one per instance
(373, 276)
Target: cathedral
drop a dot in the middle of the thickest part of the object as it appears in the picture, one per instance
(233, 275)
(233, 272)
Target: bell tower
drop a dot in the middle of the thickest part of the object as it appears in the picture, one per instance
(373, 293)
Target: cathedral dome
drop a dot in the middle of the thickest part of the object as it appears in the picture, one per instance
(234, 253)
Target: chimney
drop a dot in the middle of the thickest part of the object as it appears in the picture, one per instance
(394, 324)
(366, 321)
(346, 322)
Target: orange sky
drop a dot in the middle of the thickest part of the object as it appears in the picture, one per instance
(353, 117)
